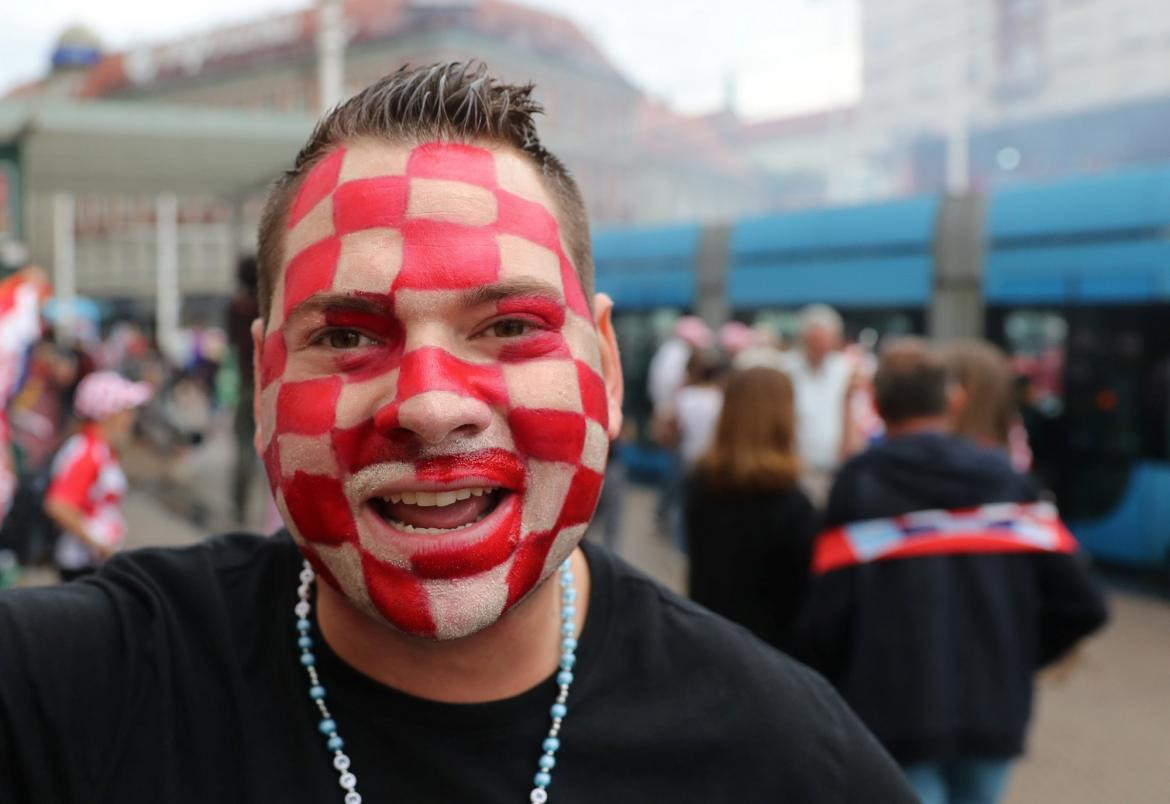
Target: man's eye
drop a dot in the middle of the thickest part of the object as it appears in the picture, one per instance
(344, 339)
(510, 328)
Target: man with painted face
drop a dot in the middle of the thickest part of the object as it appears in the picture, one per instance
(437, 386)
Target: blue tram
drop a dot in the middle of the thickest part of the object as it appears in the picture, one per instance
(1071, 278)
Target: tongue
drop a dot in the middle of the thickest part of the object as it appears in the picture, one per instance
(457, 513)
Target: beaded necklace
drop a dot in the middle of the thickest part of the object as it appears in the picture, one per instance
(328, 726)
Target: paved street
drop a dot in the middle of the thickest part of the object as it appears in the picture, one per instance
(1100, 729)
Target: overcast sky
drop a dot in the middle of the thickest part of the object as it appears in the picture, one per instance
(780, 56)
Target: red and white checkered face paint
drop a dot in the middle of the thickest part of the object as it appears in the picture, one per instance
(432, 415)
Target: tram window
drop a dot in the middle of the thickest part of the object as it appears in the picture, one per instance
(1096, 383)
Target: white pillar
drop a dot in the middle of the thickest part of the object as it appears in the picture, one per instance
(167, 272)
(330, 54)
(64, 259)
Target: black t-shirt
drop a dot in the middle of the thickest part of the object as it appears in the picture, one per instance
(173, 676)
(749, 556)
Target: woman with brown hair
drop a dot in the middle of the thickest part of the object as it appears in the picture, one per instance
(988, 413)
(750, 526)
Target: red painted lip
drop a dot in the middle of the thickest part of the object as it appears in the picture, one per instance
(457, 553)
(467, 551)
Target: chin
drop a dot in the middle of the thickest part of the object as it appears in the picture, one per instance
(441, 608)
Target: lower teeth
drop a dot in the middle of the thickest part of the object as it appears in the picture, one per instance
(399, 525)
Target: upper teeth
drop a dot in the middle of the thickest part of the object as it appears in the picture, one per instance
(437, 498)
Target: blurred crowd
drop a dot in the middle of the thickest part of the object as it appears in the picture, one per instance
(869, 511)
(78, 394)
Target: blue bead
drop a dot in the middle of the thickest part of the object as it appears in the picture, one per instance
(316, 692)
(568, 660)
(551, 744)
(568, 628)
(308, 659)
(568, 612)
(568, 644)
(327, 726)
(547, 762)
(564, 677)
(335, 743)
(303, 625)
(569, 595)
(558, 710)
(568, 562)
(305, 642)
(542, 779)
(567, 577)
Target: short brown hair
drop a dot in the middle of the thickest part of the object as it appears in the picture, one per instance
(754, 445)
(452, 101)
(911, 381)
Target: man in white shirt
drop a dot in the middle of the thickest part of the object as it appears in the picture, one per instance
(821, 376)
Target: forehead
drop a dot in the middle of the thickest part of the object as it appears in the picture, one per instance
(439, 216)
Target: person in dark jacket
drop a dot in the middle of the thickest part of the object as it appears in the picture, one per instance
(750, 525)
(940, 585)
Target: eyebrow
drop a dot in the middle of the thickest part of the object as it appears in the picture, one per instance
(373, 304)
(521, 286)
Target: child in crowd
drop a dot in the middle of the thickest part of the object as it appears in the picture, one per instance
(85, 492)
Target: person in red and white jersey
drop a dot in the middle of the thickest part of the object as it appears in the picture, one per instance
(85, 493)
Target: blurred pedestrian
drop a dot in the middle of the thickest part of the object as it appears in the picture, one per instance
(687, 425)
(989, 411)
(87, 483)
(749, 526)
(821, 377)
(940, 585)
(764, 350)
(668, 366)
(244, 309)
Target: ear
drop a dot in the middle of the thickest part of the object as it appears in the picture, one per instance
(611, 365)
(257, 355)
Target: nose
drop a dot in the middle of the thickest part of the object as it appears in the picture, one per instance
(435, 416)
(438, 397)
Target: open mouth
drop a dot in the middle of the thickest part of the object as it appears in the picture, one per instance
(462, 517)
(438, 512)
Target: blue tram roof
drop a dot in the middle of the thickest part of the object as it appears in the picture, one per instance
(642, 268)
(1089, 240)
(878, 255)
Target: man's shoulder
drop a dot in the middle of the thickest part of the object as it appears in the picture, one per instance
(683, 674)
(147, 579)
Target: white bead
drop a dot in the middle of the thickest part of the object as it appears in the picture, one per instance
(341, 762)
(348, 781)
(302, 609)
(538, 795)
(306, 576)
(353, 797)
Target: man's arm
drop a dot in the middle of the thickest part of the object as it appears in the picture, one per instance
(1071, 605)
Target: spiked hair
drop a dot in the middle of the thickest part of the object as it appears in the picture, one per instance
(451, 101)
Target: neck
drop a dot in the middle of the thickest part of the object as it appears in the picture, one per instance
(514, 654)
(921, 424)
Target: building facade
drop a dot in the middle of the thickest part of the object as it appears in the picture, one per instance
(946, 77)
(619, 146)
